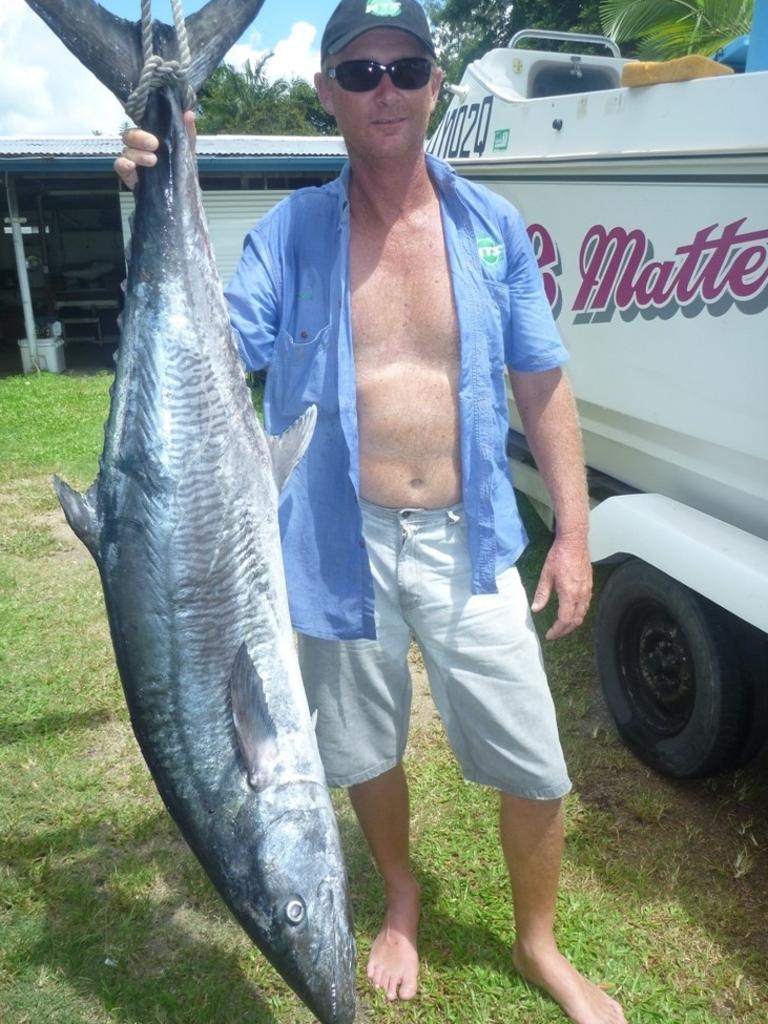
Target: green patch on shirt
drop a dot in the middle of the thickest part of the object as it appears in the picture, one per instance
(489, 250)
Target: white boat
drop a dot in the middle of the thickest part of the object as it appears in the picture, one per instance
(648, 211)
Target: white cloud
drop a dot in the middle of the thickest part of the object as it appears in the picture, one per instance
(44, 90)
(293, 57)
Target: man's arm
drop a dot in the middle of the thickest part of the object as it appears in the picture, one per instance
(547, 410)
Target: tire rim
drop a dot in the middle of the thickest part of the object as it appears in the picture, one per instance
(657, 667)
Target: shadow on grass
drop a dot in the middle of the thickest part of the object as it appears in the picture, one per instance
(696, 844)
(447, 943)
(131, 922)
(444, 941)
(45, 725)
(128, 919)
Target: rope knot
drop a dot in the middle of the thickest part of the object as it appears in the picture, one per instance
(158, 72)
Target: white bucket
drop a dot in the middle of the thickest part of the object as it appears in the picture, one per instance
(50, 355)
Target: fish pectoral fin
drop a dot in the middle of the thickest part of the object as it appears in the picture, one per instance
(286, 449)
(80, 512)
(254, 728)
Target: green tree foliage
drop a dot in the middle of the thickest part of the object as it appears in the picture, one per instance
(672, 28)
(245, 102)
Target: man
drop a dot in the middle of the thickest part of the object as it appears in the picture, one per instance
(369, 298)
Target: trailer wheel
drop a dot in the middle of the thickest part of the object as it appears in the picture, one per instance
(752, 646)
(669, 676)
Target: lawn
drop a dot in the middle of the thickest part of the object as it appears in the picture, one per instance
(106, 918)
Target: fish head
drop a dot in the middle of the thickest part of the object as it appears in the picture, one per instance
(298, 899)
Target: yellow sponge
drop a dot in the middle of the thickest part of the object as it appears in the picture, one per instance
(681, 69)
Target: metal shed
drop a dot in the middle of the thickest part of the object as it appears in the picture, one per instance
(66, 224)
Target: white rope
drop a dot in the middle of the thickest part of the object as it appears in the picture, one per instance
(158, 72)
(181, 34)
(146, 29)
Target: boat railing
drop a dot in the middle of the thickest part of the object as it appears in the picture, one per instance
(584, 38)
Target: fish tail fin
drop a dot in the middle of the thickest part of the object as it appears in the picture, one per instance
(213, 30)
(80, 513)
(111, 47)
(108, 46)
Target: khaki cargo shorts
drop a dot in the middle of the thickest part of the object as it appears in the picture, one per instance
(481, 654)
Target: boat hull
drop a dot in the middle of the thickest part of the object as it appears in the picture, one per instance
(653, 247)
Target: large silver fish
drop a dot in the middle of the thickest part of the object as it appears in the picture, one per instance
(182, 523)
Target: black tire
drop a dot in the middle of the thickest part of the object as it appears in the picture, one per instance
(752, 646)
(669, 674)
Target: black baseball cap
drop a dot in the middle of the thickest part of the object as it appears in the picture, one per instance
(354, 17)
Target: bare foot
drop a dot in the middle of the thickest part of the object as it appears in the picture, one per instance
(581, 1000)
(393, 965)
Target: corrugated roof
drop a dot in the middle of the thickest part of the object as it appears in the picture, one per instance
(91, 145)
(271, 145)
(210, 146)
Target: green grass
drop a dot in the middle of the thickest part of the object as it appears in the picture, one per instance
(105, 917)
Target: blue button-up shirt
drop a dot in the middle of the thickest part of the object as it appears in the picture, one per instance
(290, 307)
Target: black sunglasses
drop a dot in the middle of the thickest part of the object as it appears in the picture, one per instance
(365, 75)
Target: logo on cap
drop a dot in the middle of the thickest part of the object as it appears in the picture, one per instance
(384, 8)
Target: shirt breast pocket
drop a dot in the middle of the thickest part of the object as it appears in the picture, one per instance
(303, 373)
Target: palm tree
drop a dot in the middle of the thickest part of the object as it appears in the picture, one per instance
(244, 101)
(662, 29)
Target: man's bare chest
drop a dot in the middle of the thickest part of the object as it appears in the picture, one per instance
(402, 300)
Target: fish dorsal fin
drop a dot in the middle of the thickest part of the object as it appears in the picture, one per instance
(80, 511)
(254, 728)
(286, 449)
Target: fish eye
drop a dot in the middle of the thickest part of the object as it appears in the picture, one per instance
(295, 911)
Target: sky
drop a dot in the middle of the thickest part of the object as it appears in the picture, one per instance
(45, 91)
